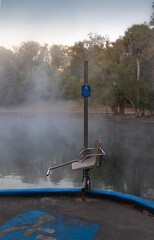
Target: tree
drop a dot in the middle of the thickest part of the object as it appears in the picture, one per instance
(59, 56)
(95, 47)
(92, 50)
(152, 16)
(113, 65)
(27, 71)
(8, 64)
(137, 40)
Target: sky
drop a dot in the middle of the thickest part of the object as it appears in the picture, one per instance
(68, 21)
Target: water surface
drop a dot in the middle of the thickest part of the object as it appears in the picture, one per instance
(30, 143)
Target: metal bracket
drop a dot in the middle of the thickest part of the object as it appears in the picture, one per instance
(85, 149)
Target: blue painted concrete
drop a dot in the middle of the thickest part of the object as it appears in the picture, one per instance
(36, 224)
(122, 197)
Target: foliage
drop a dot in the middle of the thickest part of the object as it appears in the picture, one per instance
(152, 16)
(120, 73)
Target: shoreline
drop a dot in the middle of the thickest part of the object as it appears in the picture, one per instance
(66, 107)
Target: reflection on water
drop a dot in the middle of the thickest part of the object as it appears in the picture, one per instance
(30, 144)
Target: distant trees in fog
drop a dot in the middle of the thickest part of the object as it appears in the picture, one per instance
(28, 73)
(120, 72)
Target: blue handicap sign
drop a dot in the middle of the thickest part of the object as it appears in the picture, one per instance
(85, 90)
(36, 224)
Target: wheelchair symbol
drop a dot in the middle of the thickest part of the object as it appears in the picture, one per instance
(34, 228)
(37, 224)
(85, 90)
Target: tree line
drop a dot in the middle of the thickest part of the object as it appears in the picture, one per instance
(120, 73)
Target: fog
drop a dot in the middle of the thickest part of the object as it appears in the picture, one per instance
(32, 140)
(30, 143)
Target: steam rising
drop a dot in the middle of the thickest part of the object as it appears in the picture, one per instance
(30, 143)
(34, 139)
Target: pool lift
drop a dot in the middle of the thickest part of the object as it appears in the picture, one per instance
(91, 157)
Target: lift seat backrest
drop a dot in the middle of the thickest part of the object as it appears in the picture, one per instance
(91, 162)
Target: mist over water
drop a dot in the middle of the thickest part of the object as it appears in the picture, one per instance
(30, 143)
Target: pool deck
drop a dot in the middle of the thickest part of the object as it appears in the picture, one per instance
(55, 216)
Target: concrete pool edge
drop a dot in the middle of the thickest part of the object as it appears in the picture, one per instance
(117, 196)
(124, 198)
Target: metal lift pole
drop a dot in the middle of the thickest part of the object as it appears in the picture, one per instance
(90, 160)
(85, 184)
(85, 107)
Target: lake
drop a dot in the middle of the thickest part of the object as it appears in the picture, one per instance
(30, 143)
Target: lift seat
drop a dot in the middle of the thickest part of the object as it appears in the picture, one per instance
(91, 162)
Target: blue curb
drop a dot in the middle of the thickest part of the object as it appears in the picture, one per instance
(40, 191)
(117, 196)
